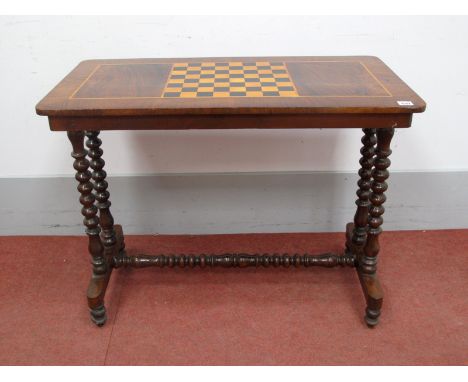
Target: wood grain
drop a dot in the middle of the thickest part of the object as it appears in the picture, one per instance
(229, 121)
(339, 85)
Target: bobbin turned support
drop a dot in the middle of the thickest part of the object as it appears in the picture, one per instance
(106, 240)
(102, 248)
(240, 260)
(362, 237)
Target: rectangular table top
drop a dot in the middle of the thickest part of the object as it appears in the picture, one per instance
(230, 86)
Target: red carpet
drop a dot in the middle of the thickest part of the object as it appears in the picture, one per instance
(235, 317)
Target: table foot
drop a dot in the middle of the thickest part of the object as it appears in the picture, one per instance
(96, 291)
(98, 315)
(350, 246)
(98, 284)
(372, 317)
(374, 297)
(369, 282)
(120, 243)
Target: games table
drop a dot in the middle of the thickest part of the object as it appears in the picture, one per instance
(231, 93)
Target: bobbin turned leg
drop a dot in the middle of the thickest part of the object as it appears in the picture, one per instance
(106, 220)
(367, 263)
(101, 269)
(356, 234)
(111, 244)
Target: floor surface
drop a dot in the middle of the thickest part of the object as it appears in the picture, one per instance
(236, 317)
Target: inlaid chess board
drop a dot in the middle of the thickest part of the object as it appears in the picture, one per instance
(229, 79)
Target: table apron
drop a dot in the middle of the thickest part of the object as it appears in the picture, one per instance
(244, 121)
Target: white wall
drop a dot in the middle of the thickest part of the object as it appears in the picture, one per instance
(429, 53)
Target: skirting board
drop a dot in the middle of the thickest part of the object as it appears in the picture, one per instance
(234, 203)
